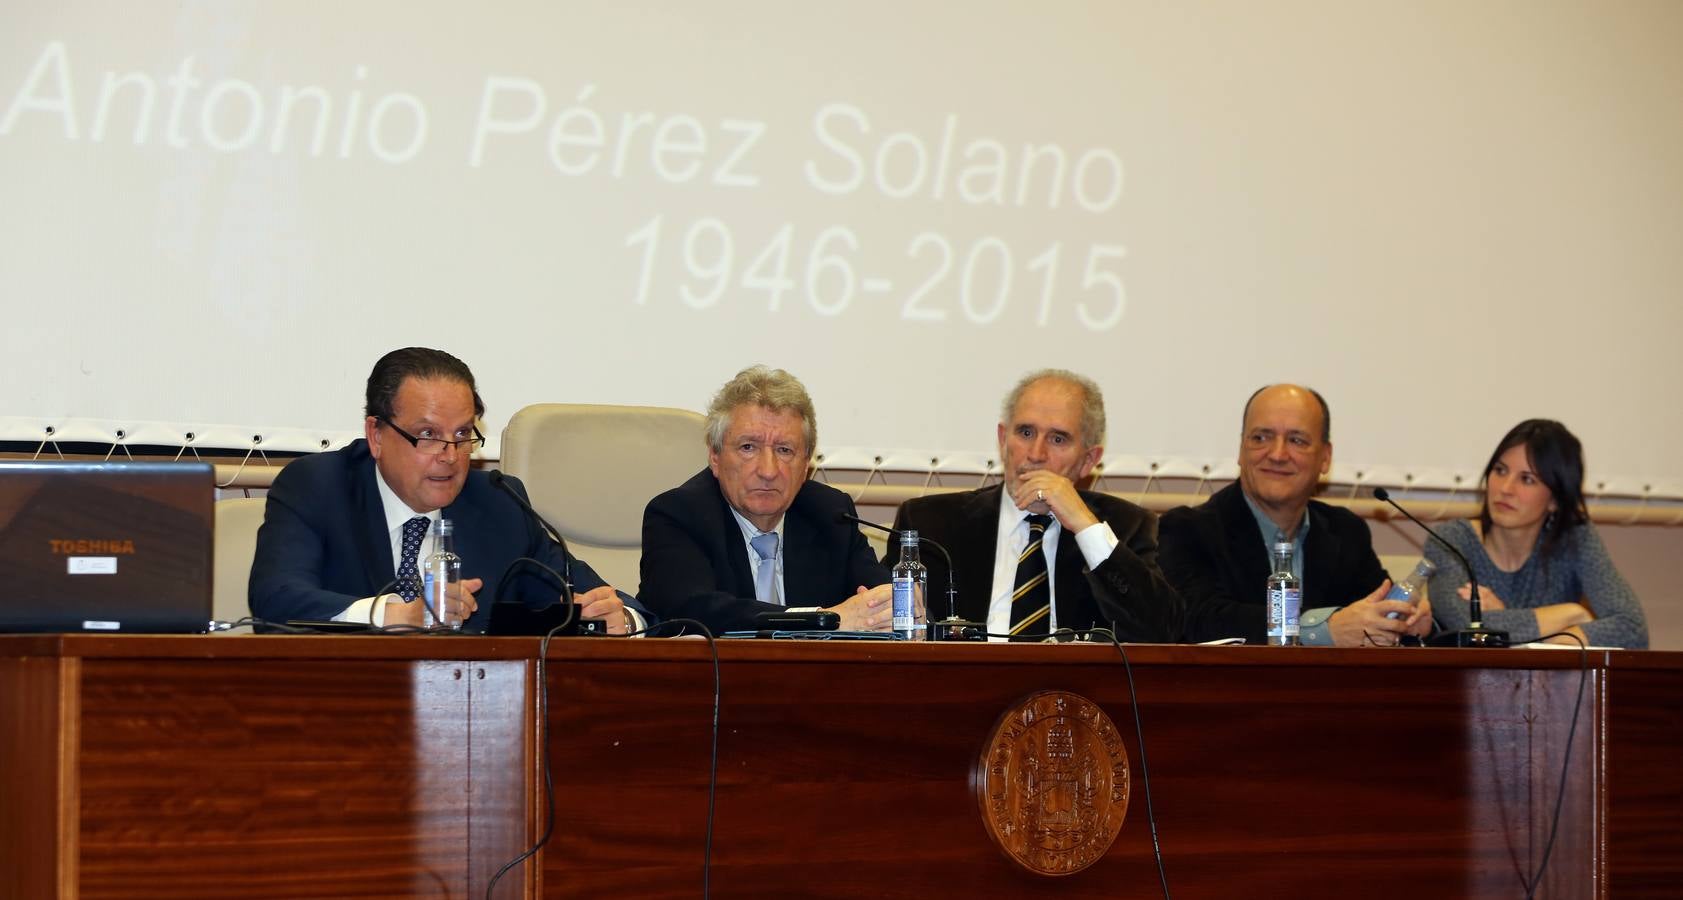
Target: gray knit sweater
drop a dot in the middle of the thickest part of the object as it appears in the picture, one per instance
(1578, 570)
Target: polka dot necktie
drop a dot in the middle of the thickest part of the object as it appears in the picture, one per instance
(1031, 601)
(408, 575)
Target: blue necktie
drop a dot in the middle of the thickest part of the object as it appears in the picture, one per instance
(408, 575)
(765, 577)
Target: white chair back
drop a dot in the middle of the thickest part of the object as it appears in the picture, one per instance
(237, 521)
(591, 469)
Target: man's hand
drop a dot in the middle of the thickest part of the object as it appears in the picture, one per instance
(458, 602)
(1420, 624)
(869, 609)
(1045, 491)
(1366, 620)
(603, 603)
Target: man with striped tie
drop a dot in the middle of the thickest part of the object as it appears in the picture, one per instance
(1036, 554)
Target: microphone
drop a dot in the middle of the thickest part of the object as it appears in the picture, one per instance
(500, 482)
(1475, 635)
(952, 628)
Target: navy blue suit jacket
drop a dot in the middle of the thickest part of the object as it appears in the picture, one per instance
(695, 562)
(324, 543)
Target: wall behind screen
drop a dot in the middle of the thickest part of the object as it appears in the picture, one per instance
(1446, 216)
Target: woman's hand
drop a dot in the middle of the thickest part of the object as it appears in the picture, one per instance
(1487, 598)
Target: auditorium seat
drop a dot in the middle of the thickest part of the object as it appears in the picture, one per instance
(236, 543)
(590, 470)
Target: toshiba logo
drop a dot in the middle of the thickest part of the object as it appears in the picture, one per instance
(82, 548)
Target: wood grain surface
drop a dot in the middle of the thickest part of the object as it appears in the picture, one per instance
(194, 767)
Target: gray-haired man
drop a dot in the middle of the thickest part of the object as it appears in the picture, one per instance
(750, 533)
(1036, 554)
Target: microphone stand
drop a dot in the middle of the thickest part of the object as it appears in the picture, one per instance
(1475, 634)
(499, 481)
(952, 628)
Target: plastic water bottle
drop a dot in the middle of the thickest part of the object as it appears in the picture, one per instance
(909, 579)
(444, 569)
(1285, 598)
(1408, 589)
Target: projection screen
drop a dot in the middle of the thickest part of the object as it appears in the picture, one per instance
(1446, 216)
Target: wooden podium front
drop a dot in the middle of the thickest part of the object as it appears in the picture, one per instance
(270, 767)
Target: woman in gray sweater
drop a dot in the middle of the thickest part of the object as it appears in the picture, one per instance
(1542, 569)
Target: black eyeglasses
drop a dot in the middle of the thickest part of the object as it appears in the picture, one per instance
(435, 446)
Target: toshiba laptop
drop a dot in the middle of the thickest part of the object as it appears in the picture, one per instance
(106, 547)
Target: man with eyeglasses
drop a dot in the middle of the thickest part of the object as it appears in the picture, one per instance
(1217, 554)
(345, 532)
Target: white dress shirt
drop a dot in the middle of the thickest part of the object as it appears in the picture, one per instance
(749, 532)
(398, 514)
(1096, 542)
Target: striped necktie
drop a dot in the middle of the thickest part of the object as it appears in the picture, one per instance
(1031, 600)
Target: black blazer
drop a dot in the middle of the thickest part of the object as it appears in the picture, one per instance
(1214, 555)
(1126, 592)
(695, 562)
(324, 543)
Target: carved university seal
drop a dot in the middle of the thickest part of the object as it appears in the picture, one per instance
(1053, 783)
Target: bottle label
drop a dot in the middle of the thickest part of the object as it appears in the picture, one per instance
(1403, 592)
(905, 603)
(1284, 605)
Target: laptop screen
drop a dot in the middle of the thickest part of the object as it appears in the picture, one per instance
(106, 546)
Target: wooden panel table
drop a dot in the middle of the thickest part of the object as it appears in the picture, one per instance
(191, 767)
(195, 767)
